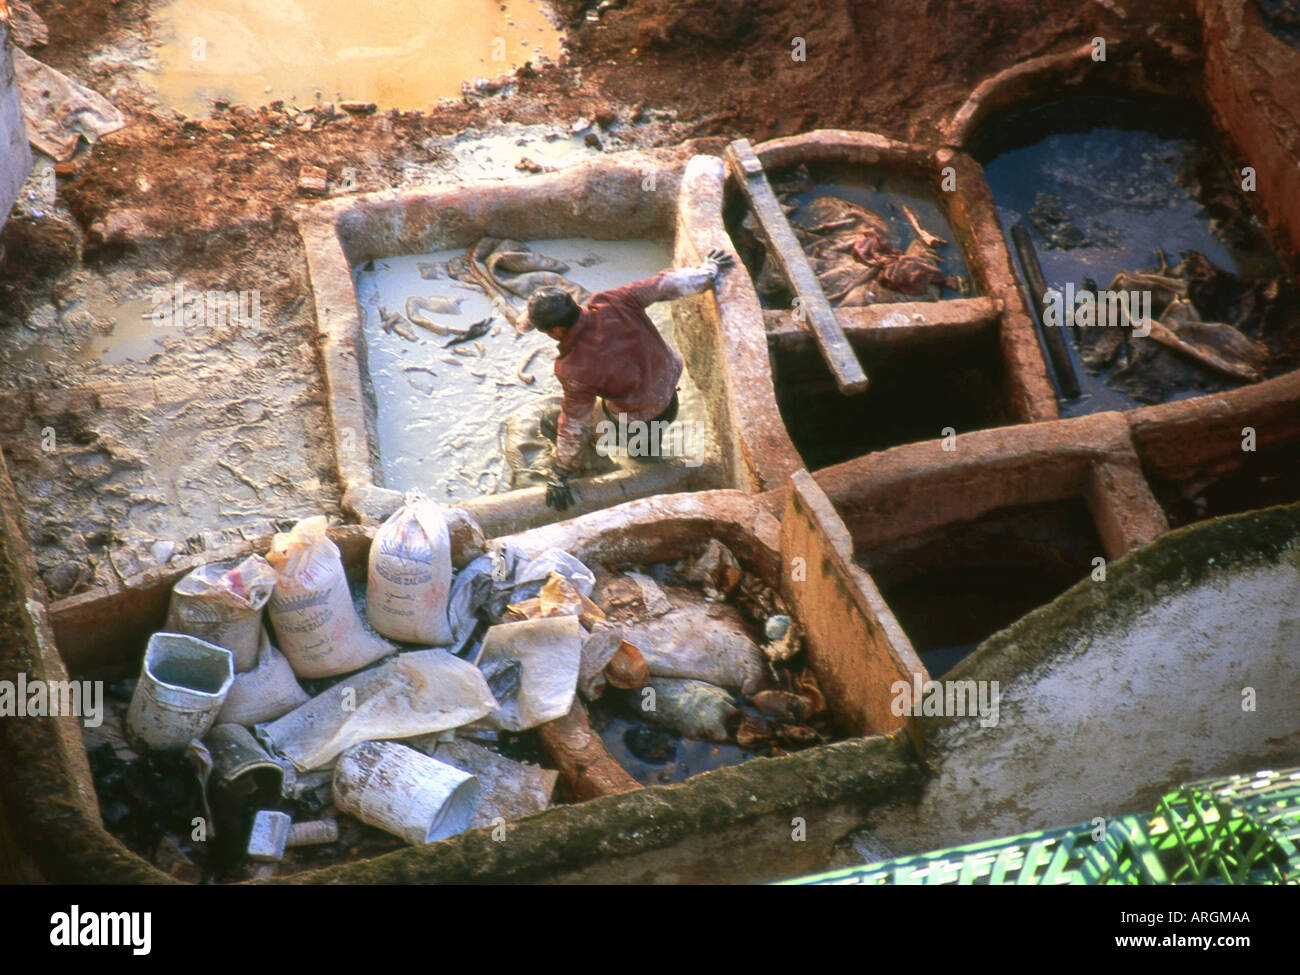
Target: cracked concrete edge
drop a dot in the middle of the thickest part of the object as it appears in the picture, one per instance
(1012, 85)
(604, 838)
(890, 494)
(1027, 386)
(723, 341)
(47, 792)
(1050, 76)
(906, 324)
(1203, 435)
(860, 647)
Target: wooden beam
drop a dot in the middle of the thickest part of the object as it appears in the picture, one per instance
(1053, 337)
(785, 247)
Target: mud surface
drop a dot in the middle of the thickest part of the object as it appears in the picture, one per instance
(124, 431)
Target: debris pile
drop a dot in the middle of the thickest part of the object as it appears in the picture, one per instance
(851, 248)
(1208, 329)
(405, 710)
(697, 664)
(346, 725)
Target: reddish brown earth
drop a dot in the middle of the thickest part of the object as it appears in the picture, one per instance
(724, 65)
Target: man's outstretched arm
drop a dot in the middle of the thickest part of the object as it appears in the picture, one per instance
(678, 282)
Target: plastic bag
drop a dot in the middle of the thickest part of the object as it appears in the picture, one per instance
(416, 693)
(311, 609)
(221, 603)
(529, 580)
(481, 588)
(550, 651)
(505, 575)
(410, 575)
(703, 641)
(264, 693)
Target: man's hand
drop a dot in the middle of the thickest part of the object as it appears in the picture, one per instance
(719, 260)
(558, 494)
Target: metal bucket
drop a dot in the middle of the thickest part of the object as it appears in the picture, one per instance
(409, 794)
(182, 686)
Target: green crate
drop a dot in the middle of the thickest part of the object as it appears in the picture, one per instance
(1244, 829)
(1236, 830)
(1122, 855)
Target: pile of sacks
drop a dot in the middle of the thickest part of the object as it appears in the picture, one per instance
(377, 735)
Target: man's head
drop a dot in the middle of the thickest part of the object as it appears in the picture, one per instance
(550, 309)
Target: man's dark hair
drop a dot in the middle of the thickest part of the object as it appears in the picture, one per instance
(550, 308)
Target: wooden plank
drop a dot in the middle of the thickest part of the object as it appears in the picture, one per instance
(781, 241)
(1053, 336)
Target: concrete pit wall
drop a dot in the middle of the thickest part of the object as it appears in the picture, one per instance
(630, 195)
(1112, 663)
(1252, 85)
(895, 494)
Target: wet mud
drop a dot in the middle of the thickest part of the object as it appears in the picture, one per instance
(398, 53)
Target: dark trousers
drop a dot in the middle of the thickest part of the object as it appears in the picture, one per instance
(667, 416)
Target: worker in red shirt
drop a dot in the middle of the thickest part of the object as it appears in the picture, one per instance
(611, 350)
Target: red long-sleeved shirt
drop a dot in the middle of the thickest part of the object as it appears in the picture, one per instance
(613, 351)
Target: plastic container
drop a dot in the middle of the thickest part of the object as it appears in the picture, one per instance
(182, 686)
(398, 789)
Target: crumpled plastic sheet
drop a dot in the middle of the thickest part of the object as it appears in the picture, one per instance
(550, 651)
(58, 111)
(485, 587)
(415, 693)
